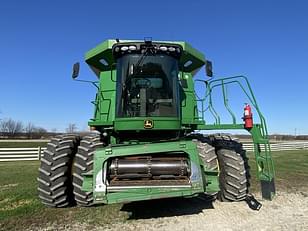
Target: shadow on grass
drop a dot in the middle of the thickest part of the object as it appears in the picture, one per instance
(167, 207)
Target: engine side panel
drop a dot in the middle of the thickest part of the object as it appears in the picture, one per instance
(112, 180)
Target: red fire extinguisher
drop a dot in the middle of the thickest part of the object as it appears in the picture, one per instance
(248, 123)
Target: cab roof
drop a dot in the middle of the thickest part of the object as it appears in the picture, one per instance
(103, 51)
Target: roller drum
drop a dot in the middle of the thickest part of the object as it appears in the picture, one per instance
(149, 167)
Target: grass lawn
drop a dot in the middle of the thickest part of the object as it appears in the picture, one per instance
(22, 144)
(291, 168)
(20, 207)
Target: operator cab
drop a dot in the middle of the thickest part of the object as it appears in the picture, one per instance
(145, 86)
(147, 80)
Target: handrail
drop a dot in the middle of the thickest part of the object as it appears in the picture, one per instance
(223, 82)
(262, 148)
(226, 102)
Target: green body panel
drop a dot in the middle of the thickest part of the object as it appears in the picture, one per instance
(191, 118)
(105, 111)
(137, 123)
(197, 185)
(189, 110)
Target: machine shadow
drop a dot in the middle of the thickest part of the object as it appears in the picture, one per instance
(167, 207)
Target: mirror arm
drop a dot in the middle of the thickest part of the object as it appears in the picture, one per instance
(87, 81)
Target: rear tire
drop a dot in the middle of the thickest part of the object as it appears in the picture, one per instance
(84, 163)
(234, 170)
(208, 157)
(54, 180)
(207, 153)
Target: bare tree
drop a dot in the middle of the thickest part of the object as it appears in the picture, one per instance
(3, 128)
(29, 129)
(54, 130)
(11, 127)
(71, 128)
(39, 132)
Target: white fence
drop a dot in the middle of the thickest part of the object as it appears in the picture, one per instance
(16, 154)
(283, 146)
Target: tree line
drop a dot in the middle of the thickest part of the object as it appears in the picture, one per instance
(11, 128)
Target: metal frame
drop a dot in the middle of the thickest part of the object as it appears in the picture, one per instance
(264, 162)
(190, 120)
(96, 181)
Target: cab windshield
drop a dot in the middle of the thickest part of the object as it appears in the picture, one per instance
(147, 86)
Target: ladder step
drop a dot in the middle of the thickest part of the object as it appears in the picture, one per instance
(264, 158)
(262, 141)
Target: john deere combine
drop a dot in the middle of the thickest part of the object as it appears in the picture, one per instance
(146, 141)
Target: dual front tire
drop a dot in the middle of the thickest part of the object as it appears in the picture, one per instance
(65, 160)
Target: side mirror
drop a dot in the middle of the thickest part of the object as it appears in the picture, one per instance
(209, 68)
(75, 73)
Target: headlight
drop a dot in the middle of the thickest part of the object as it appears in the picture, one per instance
(132, 48)
(125, 48)
(171, 49)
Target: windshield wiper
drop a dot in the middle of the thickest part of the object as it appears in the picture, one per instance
(149, 49)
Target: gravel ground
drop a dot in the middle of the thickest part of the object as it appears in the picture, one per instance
(288, 211)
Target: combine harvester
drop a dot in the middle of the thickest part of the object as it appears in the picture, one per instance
(144, 143)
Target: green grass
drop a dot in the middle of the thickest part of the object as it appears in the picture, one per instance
(22, 144)
(19, 206)
(291, 168)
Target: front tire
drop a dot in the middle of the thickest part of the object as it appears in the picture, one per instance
(84, 163)
(54, 180)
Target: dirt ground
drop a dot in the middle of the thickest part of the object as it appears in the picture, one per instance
(288, 211)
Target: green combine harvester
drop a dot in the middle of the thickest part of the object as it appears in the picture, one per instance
(146, 141)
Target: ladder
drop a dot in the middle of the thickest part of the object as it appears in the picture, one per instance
(259, 133)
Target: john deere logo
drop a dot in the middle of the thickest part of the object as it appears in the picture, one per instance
(148, 124)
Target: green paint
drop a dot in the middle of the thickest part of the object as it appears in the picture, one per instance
(190, 119)
(170, 148)
(137, 123)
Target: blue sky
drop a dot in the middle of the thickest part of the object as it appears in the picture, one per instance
(40, 40)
